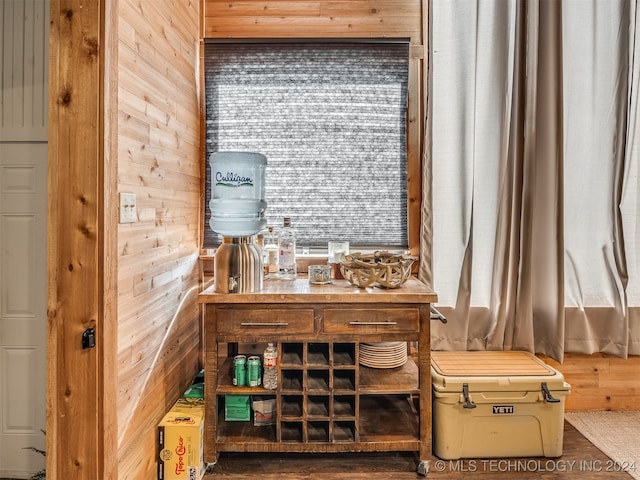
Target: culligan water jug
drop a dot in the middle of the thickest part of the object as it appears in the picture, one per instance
(237, 202)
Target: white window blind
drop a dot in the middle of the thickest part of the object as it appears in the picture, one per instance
(331, 119)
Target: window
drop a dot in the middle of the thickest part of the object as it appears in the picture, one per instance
(331, 119)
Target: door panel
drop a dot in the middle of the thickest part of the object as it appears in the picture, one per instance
(23, 233)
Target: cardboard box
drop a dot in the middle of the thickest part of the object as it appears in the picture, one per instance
(194, 391)
(237, 408)
(494, 404)
(180, 442)
(264, 411)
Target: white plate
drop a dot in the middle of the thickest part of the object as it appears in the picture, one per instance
(379, 364)
(401, 348)
(384, 356)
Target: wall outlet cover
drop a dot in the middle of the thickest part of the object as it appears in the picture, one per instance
(128, 212)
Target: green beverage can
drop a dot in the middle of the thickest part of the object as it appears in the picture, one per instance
(254, 379)
(240, 370)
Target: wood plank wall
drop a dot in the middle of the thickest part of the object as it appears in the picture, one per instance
(123, 118)
(75, 233)
(313, 19)
(600, 382)
(158, 159)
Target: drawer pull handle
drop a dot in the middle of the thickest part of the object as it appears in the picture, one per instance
(264, 324)
(373, 323)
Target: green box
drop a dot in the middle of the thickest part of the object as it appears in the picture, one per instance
(194, 391)
(237, 408)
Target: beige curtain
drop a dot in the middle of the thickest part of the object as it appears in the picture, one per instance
(531, 199)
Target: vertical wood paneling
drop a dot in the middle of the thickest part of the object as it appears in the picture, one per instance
(75, 255)
(108, 464)
(158, 151)
(23, 82)
(415, 131)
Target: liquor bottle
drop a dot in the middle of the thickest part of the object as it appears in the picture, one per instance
(270, 364)
(287, 249)
(270, 255)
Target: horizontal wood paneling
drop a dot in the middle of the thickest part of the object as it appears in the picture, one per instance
(291, 19)
(600, 382)
(158, 146)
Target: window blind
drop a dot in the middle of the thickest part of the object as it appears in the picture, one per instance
(331, 120)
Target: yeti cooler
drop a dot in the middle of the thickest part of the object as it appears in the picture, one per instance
(496, 404)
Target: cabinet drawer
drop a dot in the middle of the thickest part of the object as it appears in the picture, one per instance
(278, 321)
(377, 320)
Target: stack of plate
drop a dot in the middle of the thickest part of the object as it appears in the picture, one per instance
(383, 354)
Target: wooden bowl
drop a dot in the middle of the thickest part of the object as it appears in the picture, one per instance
(382, 269)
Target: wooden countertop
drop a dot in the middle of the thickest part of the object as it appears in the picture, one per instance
(301, 291)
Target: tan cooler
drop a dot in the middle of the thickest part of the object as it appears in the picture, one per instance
(496, 404)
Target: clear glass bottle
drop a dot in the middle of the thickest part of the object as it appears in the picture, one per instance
(287, 249)
(270, 364)
(270, 254)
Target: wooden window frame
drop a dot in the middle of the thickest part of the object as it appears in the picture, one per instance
(415, 135)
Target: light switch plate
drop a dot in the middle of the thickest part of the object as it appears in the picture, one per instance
(128, 213)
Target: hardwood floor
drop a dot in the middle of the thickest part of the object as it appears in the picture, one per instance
(580, 459)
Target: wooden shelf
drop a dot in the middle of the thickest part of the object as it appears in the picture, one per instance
(325, 401)
(387, 418)
(226, 386)
(243, 432)
(318, 407)
(344, 355)
(291, 407)
(344, 407)
(402, 379)
(291, 355)
(323, 404)
(318, 355)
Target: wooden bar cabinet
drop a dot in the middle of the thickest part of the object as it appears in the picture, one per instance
(326, 401)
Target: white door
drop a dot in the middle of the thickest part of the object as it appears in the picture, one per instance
(23, 277)
(23, 234)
